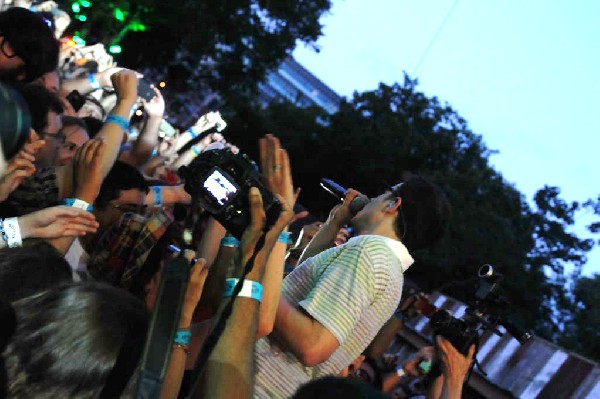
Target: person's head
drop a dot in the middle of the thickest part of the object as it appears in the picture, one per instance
(51, 81)
(27, 270)
(93, 125)
(123, 190)
(337, 388)
(45, 109)
(75, 135)
(15, 124)
(75, 342)
(28, 48)
(416, 211)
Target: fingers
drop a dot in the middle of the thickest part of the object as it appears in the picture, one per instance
(257, 212)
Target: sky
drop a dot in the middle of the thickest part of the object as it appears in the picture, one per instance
(524, 74)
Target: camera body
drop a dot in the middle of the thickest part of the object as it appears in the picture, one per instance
(220, 181)
(484, 313)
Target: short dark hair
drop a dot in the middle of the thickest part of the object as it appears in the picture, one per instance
(122, 176)
(423, 214)
(40, 101)
(27, 270)
(93, 125)
(337, 388)
(32, 39)
(68, 120)
(75, 341)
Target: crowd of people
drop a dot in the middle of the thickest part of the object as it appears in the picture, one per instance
(92, 207)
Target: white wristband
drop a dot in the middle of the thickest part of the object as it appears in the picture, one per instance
(13, 232)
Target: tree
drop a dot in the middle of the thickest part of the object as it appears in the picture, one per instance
(222, 46)
(379, 136)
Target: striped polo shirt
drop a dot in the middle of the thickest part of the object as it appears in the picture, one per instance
(352, 290)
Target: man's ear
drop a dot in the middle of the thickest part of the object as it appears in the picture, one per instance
(394, 206)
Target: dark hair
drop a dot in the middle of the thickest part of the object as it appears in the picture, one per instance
(73, 121)
(337, 387)
(32, 39)
(40, 101)
(93, 125)
(31, 269)
(423, 213)
(75, 342)
(122, 176)
(15, 121)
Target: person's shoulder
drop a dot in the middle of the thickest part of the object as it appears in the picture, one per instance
(369, 241)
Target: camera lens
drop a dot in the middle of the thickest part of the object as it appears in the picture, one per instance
(486, 271)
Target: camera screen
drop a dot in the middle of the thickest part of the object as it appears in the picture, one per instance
(219, 187)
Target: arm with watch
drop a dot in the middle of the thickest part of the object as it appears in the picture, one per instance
(416, 366)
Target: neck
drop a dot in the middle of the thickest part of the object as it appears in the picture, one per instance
(378, 230)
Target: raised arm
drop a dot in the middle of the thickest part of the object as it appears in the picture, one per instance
(339, 217)
(148, 138)
(230, 368)
(276, 171)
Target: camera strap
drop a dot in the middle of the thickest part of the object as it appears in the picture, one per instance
(165, 319)
(212, 340)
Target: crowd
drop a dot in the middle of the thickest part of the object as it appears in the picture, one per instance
(92, 207)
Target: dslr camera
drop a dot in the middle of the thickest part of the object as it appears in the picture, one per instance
(220, 181)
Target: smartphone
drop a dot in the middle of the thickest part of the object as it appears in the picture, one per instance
(424, 366)
(76, 99)
(145, 90)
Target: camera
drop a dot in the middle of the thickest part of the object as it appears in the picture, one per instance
(484, 313)
(220, 181)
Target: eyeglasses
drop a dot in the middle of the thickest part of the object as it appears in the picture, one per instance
(130, 208)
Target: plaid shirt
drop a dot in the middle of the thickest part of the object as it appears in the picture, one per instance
(34, 193)
(122, 251)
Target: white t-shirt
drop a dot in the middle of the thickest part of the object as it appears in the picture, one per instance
(78, 260)
(352, 290)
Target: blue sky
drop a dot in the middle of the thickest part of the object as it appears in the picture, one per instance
(524, 74)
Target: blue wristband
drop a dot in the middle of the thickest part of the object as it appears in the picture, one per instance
(284, 237)
(118, 120)
(93, 81)
(194, 134)
(250, 289)
(183, 337)
(77, 203)
(230, 242)
(158, 196)
(195, 150)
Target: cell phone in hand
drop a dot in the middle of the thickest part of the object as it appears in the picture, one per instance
(76, 99)
(145, 90)
(424, 366)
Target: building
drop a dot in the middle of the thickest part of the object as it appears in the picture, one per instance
(294, 83)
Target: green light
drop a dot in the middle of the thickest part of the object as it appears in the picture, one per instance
(85, 3)
(82, 18)
(115, 49)
(137, 26)
(75, 7)
(119, 15)
(79, 40)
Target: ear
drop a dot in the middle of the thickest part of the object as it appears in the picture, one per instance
(394, 206)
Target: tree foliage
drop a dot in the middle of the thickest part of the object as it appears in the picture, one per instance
(380, 136)
(201, 46)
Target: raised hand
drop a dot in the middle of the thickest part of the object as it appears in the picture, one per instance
(156, 106)
(276, 170)
(88, 170)
(56, 222)
(19, 168)
(198, 274)
(125, 83)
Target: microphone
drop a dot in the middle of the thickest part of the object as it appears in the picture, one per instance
(339, 192)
